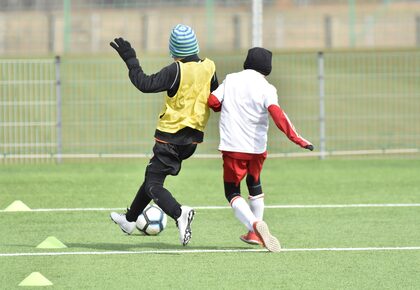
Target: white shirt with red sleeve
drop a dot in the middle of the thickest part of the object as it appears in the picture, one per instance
(245, 99)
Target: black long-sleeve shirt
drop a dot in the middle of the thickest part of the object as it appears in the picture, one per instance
(167, 79)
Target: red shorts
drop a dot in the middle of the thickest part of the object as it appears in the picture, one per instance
(236, 165)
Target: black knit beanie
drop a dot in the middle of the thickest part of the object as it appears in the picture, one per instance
(259, 59)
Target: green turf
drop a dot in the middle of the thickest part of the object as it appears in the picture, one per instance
(285, 181)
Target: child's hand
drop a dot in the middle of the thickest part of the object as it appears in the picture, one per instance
(309, 147)
(124, 49)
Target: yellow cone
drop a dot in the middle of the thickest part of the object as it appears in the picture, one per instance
(35, 279)
(51, 243)
(17, 205)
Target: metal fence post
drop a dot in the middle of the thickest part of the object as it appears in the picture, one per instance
(210, 23)
(51, 32)
(2, 34)
(418, 30)
(352, 22)
(144, 32)
(95, 21)
(67, 25)
(321, 81)
(237, 31)
(328, 31)
(59, 115)
(257, 23)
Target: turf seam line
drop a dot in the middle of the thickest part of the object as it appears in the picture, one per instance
(198, 251)
(297, 206)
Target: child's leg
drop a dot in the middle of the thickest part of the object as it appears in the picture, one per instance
(166, 161)
(256, 197)
(138, 205)
(253, 181)
(234, 171)
(152, 188)
(242, 212)
(160, 195)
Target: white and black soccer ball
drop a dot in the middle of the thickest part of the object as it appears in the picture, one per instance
(152, 221)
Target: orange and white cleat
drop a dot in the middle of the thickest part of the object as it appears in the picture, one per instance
(251, 238)
(270, 242)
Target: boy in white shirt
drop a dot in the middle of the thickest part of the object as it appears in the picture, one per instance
(245, 99)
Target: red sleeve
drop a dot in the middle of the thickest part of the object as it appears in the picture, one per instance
(214, 103)
(284, 124)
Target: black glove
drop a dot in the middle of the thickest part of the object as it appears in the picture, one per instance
(124, 49)
(309, 147)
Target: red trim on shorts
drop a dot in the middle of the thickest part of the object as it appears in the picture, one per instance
(161, 141)
(244, 156)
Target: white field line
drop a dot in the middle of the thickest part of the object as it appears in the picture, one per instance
(198, 251)
(297, 206)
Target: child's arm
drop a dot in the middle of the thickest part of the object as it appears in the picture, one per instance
(164, 80)
(214, 103)
(215, 99)
(284, 124)
(161, 81)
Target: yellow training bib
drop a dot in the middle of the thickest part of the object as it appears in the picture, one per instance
(188, 108)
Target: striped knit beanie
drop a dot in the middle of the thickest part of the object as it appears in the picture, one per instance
(183, 42)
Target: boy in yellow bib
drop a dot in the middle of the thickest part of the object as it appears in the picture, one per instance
(188, 82)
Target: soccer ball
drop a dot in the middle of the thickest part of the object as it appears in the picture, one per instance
(152, 221)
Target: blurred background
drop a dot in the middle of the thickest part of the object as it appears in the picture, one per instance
(347, 72)
(37, 27)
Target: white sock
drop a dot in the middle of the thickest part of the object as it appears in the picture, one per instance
(256, 203)
(243, 212)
